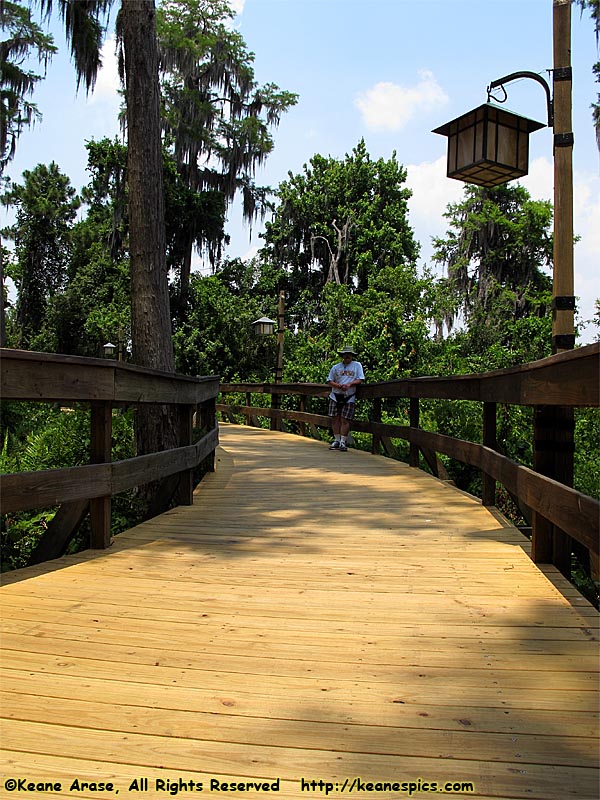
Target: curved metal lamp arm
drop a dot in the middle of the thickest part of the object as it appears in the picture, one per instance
(534, 76)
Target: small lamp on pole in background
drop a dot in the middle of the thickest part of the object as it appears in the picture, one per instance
(109, 350)
(266, 327)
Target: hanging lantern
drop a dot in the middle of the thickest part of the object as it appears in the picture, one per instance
(264, 326)
(488, 146)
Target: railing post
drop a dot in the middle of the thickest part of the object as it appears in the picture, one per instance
(302, 407)
(185, 490)
(414, 423)
(276, 423)
(376, 438)
(553, 428)
(101, 453)
(207, 417)
(247, 416)
(488, 492)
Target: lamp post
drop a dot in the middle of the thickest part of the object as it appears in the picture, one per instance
(280, 336)
(266, 327)
(489, 146)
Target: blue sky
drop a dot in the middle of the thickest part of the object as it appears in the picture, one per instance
(388, 71)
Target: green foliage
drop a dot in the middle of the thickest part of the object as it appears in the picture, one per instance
(42, 436)
(19, 535)
(107, 196)
(46, 205)
(24, 39)
(212, 105)
(216, 337)
(498, 242)
(587, 451)
(217, 120)
(341, 222)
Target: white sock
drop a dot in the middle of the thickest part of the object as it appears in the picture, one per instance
(343, 439)
(338, 438)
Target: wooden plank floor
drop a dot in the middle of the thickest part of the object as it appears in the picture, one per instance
(314, 616)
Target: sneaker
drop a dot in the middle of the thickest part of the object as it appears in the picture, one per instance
(343, 448)
(335, 445)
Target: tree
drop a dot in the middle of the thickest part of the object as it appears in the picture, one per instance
(216, 337)
(216, 117)
(107, 195)
(150, 312)
(24, 38)
(136, 24)
(150, 315)
(341, 222)
(46, 208)
(499, 241)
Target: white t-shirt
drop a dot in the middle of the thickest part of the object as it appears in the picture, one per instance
(346, 373)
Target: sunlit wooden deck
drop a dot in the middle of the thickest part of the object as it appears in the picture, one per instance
(314, 616)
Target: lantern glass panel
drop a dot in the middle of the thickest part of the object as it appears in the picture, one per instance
(465, 147)
(508, 146)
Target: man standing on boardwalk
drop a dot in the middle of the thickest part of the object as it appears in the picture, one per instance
(343, 379)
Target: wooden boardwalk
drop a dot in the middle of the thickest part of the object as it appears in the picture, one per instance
(314, 616)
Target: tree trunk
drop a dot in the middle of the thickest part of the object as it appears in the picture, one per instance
(151, 324)
(2, 300)
(150, 312)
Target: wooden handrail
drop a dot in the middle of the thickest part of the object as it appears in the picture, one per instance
(563, 382)
(566, 379)
(47, 377)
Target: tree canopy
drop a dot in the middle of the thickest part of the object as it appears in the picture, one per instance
(24, 38)
(495, 252)
(46, 205)
(215, 117)
(341, 221)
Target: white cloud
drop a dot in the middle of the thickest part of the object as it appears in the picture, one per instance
(108, 83)
(250, 254)
(237, 6)
(388, 106)
(432, 191)
(586, 213)
(539, 182)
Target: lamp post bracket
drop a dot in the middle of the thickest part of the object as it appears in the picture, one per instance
(515, 76)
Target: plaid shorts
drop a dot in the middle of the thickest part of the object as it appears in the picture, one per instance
(345, 410)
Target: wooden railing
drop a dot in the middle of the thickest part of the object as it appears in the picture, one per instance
(552, 386)
(104, 385)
